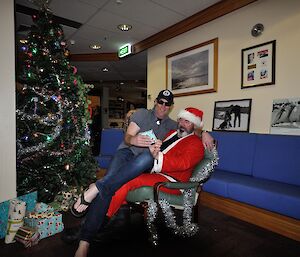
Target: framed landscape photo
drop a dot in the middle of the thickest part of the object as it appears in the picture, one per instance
(258, 65)
(232, 115)
(193, 70)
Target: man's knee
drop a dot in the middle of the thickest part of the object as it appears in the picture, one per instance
(145, 160)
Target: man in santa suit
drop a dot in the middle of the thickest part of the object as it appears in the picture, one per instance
(175, 159)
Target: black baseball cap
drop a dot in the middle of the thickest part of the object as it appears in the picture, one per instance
(167, 95)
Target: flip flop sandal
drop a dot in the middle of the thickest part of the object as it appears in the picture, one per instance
(75, 212)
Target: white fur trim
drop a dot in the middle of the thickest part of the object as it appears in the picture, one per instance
(158, 163)
(190, 117)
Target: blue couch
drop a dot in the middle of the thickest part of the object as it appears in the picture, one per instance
(261, 170)
(111, 138)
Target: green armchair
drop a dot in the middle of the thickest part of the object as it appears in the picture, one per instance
(152, 199)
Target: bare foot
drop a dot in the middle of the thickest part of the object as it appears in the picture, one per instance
(89, 195)
(83, 249)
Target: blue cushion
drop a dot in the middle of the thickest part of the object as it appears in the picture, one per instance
(236, 151)
(277, 158)
(217, 184)
(111, 138)
(273, 196)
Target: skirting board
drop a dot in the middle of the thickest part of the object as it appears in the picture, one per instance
(277, 223)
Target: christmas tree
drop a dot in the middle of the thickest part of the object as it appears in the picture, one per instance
(53, 151)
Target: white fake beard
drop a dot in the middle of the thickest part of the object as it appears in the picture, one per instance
(182, 132)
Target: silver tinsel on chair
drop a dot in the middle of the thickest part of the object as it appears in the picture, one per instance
(188, 228)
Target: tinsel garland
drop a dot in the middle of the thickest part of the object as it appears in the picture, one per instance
(151, 216)
(56, 119)
(202, 176)
(188, 228)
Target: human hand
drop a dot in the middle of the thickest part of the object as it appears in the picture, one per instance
(158, 143)
(155, 149)
(207, 140)
(141, 140)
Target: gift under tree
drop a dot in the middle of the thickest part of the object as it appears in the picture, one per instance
(53, 151)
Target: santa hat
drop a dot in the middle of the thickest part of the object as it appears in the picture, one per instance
(193, 115)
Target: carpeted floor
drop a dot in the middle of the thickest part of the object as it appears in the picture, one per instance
(219, 236)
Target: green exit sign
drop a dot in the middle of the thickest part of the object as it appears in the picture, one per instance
(124, 50)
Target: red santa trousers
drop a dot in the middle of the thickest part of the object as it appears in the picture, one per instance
(145, 179)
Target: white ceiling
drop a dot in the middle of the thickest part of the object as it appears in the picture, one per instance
(100, 18)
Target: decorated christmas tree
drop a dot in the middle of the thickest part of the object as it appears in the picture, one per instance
(53, 151)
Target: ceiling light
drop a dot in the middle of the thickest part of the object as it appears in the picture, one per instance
(95, 46)
(124, 27)
(105, 69)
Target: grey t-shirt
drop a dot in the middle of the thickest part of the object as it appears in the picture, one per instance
(147, 120)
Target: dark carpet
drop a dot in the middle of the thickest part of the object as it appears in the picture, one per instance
(219, 236)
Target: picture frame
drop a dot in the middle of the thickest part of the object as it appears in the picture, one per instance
(285, 117)
(232, 115)
(258, 65)
(193, 70)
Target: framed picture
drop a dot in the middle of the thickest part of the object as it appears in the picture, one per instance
(193, 70)
(232, 115)
(258, 65)
(285, 118)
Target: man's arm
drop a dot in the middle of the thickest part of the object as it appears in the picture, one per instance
(133, 138)
(207, 139)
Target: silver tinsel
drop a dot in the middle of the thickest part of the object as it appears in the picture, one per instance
(40, 146)
(53, 120)
(151, 216)
(42, 4)
(208, 169)
(188, 228)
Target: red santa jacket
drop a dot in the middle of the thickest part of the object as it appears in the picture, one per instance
(179, 159)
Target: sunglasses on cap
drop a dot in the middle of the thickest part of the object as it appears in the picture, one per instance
(163, 103)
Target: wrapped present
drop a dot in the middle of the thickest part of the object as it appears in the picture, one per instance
(29, 199)
(27, 236)
(150, 134)
(42, 207)
(65, 199)
(46, 223)
(16, 215)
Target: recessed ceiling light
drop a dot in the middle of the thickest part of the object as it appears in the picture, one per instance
(105, 69)
(124, 27)
(95, 46)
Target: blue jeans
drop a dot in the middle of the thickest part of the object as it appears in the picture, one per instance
(124, 167)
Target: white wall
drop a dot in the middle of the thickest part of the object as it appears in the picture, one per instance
(7, 103)
(281, 20)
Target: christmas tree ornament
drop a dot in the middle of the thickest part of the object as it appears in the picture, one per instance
(74, 69)
(67, 53)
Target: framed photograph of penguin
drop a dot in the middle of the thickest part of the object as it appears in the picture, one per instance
(193, 70)
(232, 115)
